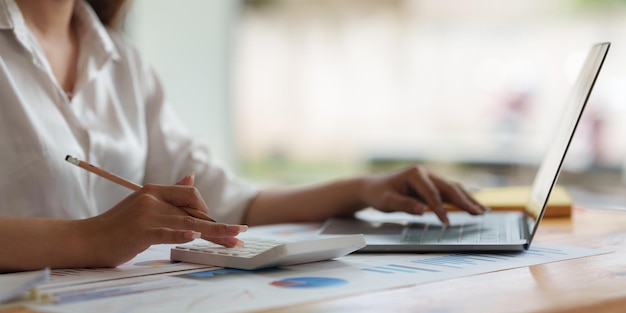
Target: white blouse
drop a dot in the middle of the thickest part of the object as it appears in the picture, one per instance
(117, 118)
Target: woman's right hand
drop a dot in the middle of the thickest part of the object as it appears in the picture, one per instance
(156, 214)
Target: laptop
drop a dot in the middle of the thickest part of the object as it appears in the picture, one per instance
(492, 231)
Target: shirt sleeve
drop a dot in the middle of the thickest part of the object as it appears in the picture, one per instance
(173, 153)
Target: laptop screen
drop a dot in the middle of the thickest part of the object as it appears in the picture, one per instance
(550, 167)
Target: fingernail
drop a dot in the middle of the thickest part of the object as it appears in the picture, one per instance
(190, 175)
(238, 228)
(191, 235)
(240, 244)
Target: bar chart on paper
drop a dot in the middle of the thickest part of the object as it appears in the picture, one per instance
(441, 263)
(423, 267)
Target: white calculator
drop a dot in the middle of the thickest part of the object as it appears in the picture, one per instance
(263, 253)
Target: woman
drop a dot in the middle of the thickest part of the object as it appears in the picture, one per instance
(69, 85)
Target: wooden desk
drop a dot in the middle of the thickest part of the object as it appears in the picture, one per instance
(592, 284)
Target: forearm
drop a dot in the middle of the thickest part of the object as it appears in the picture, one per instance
(307, 203)
(29, 244)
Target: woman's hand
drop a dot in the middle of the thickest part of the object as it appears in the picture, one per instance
(156, 214)
(413, 190)
(189, 180)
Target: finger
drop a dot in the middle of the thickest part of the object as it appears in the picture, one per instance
(230, 242)
(396, 202)
(474, 201)
(208, 229)
(420, 181)
(179, 196)
(170, 236)
(459, 196)
(456, 194)
(198, 214)
(188, 180)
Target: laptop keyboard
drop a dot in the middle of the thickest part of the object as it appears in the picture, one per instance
(471, 230)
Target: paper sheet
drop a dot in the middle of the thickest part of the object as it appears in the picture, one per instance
(229, 290)
(155, 260)
(14, 284)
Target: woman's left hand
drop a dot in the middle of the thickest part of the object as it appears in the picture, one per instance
(415, 189)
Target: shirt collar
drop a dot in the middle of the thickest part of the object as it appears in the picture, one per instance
(92, 31)
(11, 18)
(5, 17)
(88, 24)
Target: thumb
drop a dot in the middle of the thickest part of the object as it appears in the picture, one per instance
(188, 180)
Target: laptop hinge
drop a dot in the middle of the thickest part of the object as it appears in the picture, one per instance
(524, 229)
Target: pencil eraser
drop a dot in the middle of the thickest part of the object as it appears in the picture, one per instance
(72, 159)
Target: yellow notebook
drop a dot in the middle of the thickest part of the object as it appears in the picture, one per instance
(514, 198)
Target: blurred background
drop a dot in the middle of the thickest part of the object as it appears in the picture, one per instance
(292, 91)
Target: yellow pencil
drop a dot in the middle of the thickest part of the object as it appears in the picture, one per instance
(126, 183)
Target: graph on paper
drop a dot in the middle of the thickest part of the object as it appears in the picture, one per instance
(440, 263)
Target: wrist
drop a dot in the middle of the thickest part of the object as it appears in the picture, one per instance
(356, 188)
(80, 242)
